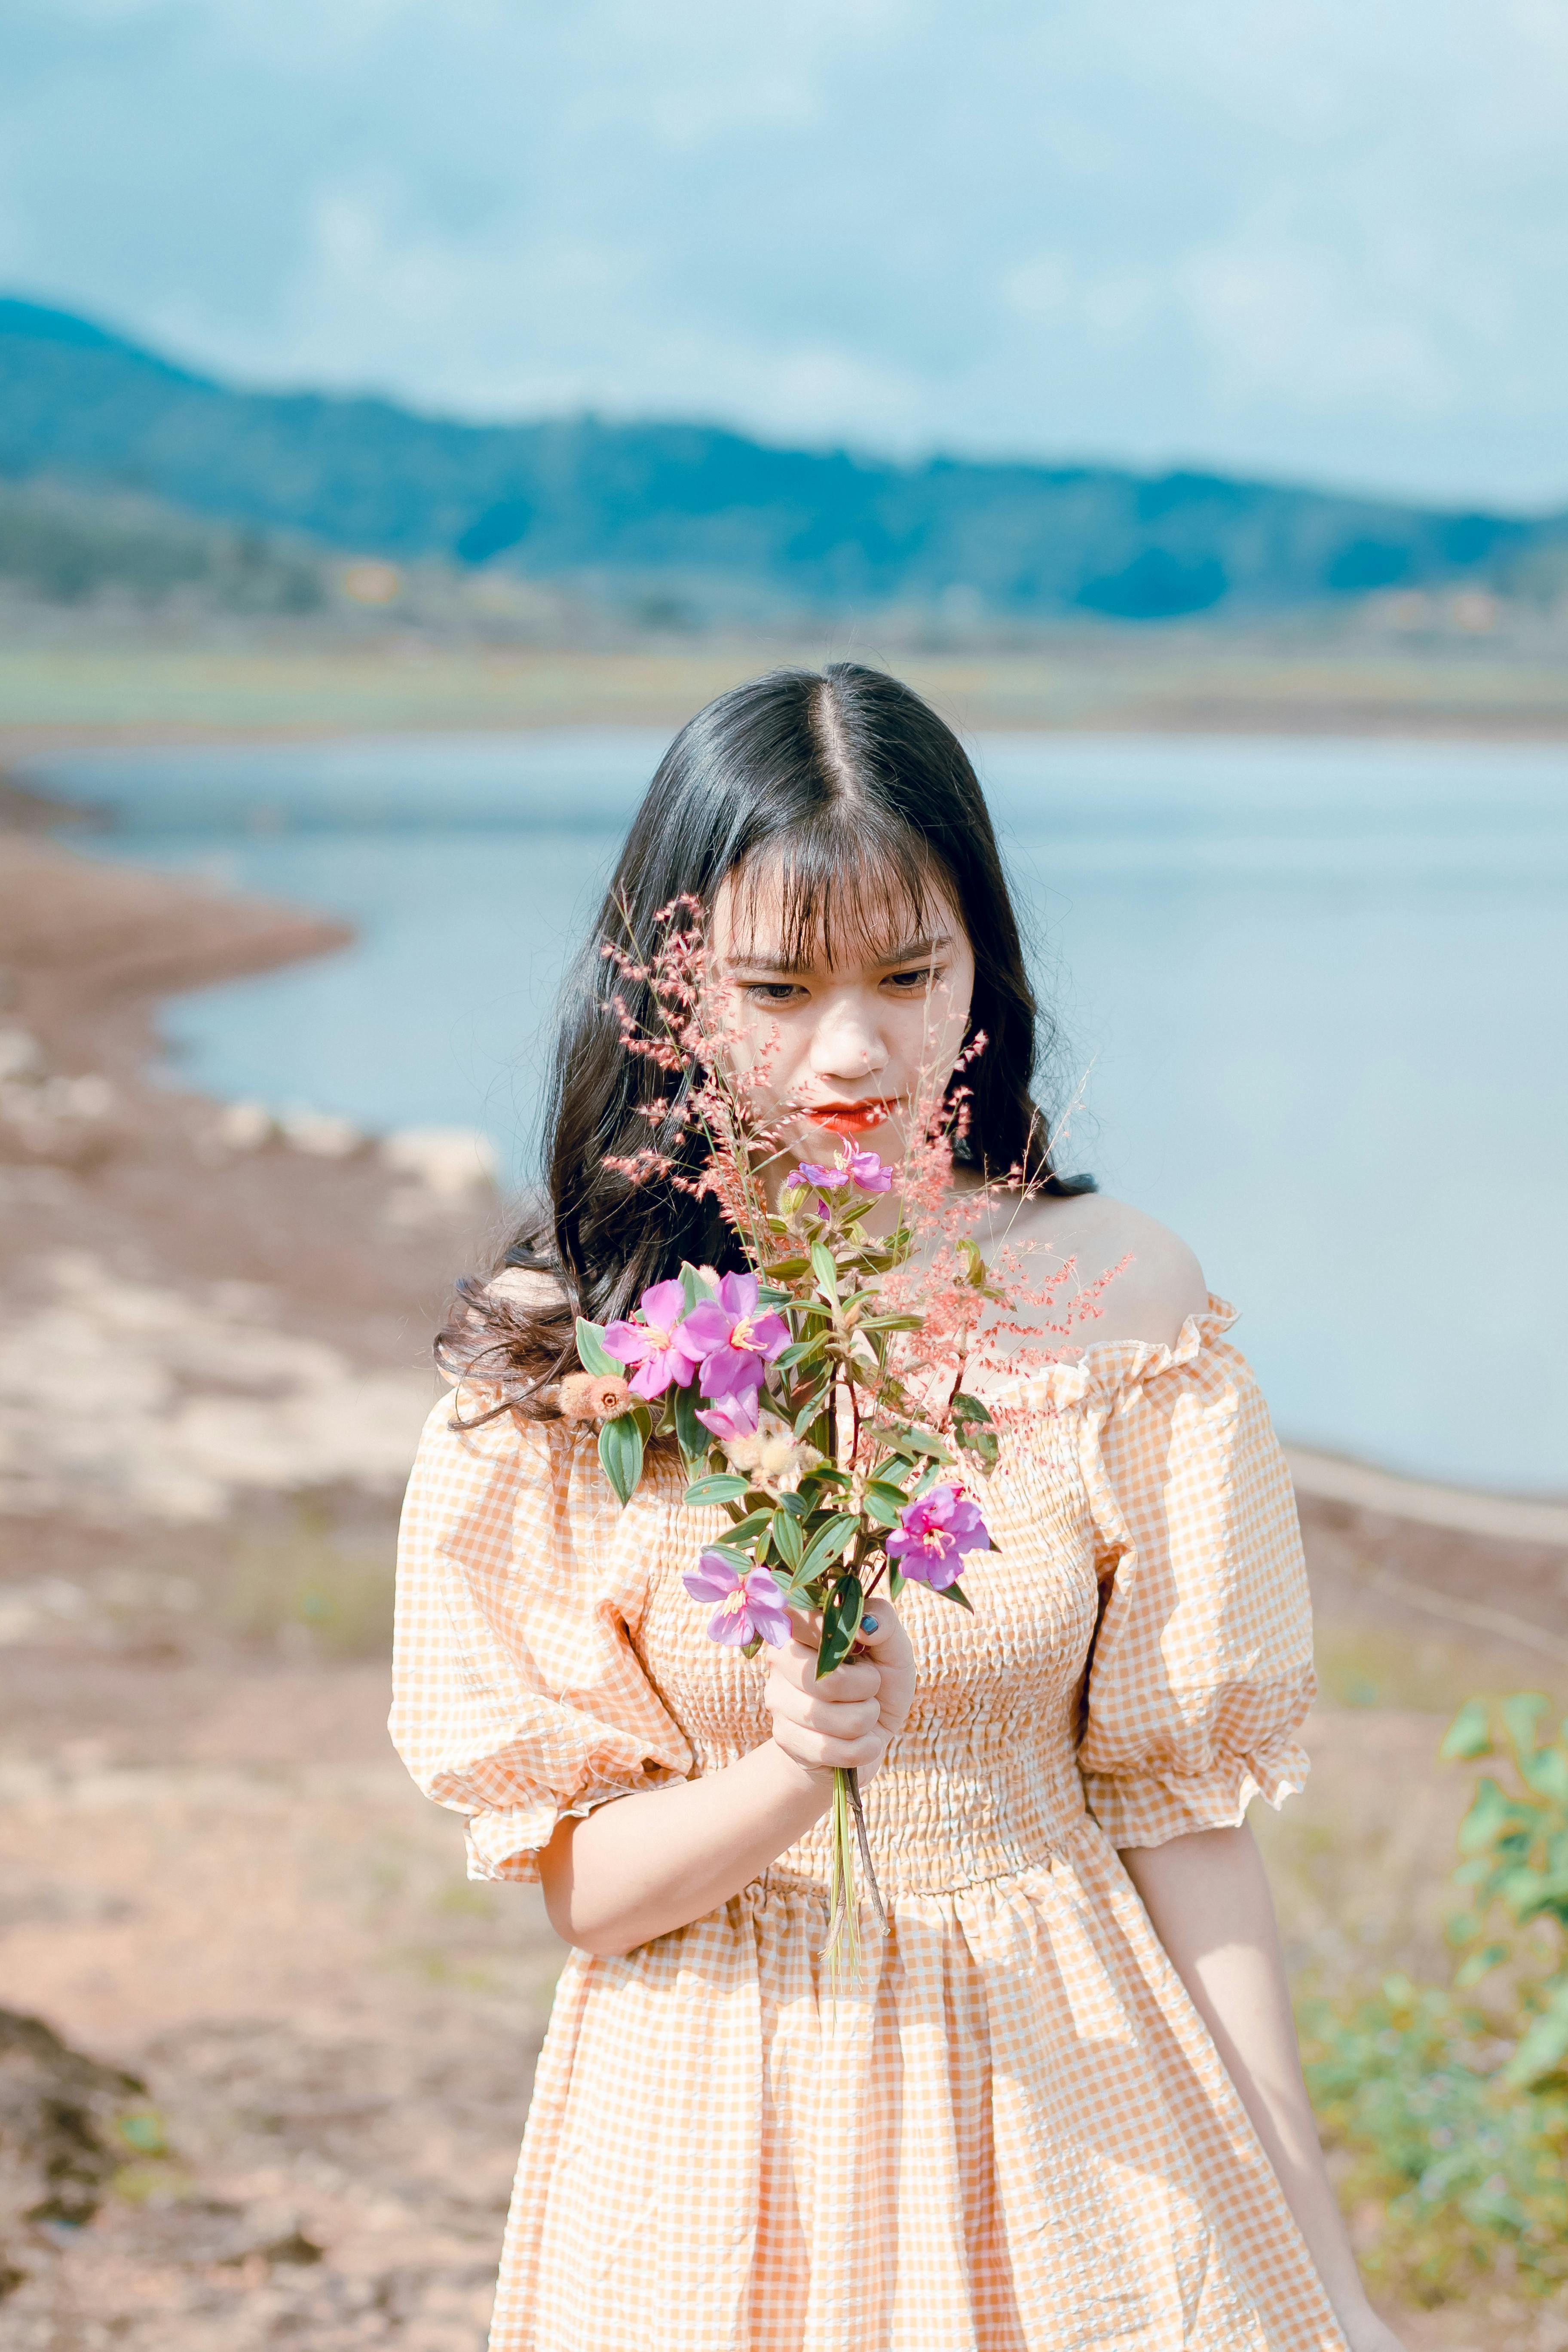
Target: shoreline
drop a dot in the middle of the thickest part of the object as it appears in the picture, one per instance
(214, 1872)
(99, 947)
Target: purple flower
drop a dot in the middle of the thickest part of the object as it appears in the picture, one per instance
(863, 1169)
(933, 1535)
(870, 1174)
(736, 1343)
(659, 1345)
(747, 1604)
(736, 1416)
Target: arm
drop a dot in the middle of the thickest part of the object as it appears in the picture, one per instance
(1208, 1899)
(635, 1869)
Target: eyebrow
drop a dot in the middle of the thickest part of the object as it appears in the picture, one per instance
(908, 951)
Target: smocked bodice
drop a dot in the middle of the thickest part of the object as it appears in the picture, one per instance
(550, 1658)
(982, 1781)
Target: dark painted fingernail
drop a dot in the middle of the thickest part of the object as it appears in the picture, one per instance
(868, 1625)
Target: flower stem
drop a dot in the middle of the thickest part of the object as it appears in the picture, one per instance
(852, 1784)
(842, 1949)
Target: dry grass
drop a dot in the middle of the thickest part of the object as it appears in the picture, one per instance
(1314, 678)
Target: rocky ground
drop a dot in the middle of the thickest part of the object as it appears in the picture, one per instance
(265, 2053)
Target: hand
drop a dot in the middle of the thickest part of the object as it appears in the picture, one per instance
(844, 1722)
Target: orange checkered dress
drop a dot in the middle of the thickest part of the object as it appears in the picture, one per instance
(1014, 2133)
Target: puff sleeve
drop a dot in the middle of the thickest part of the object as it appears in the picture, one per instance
(518, 1697)
(1202, 1670)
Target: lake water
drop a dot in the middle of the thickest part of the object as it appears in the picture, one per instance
(1319, 993)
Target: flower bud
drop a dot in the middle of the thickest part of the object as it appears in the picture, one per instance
(592, 1396)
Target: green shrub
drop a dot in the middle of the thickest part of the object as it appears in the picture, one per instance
(1451, 2105)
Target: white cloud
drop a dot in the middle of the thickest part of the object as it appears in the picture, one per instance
(1311, 239)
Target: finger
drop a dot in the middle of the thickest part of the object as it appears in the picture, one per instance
(819, 1753)
(856, 1678)
(851, 1680)
(842, 1721)
(879, 1627)
(797, 1669)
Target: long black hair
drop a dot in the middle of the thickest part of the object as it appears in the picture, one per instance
(850, 789)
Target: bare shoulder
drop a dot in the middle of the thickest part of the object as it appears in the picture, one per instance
(1155, 1281)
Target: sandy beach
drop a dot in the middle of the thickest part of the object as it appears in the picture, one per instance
(307, 2041)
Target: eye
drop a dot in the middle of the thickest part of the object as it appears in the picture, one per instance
(914, 984)
(775, 992)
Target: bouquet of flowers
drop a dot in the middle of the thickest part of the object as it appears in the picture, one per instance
(814, 1397)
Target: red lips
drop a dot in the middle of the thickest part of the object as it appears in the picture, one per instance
(850, 1119)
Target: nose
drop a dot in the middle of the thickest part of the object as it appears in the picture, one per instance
(847, 1044)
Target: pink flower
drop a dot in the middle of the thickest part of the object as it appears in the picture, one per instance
(748, 1604)
(826, 1180)
(737, 1344)
(933, 1536)
(735, 1416)
(659, 1345)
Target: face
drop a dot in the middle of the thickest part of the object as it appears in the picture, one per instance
(847, 1050)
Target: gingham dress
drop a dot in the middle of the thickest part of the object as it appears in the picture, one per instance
(1014, 2133)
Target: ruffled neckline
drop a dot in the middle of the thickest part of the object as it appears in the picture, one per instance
(1111, 1367)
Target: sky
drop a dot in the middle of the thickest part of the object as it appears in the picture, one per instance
(1319, 239)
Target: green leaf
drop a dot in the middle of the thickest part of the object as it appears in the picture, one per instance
(722, 1488)
(1468, 1736)
(747, 1530)
(811, 1408)
(911, 1444)
(825, 1267)
(694, 1440)
(1541, 2050)
(840, 1623)
(789, 1542)
(882, 1503)
(795, 1505)
(955, 1592)
(620, 1454)
(799, 1351)
(742, 1561)
(144, 2131)
(1547, 1773)
(788, 1269)
(829, 1543)
(967, 1408)
(1521, 1714)
(895, 1582)
(1478, 1965)
(974, 1264)
(891, 1323)
(593, 1354)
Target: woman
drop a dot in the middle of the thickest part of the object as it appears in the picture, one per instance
(1061, 2108)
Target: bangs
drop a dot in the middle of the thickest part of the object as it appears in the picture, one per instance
(841, 887)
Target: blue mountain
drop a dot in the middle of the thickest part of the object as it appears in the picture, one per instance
(709, 513)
